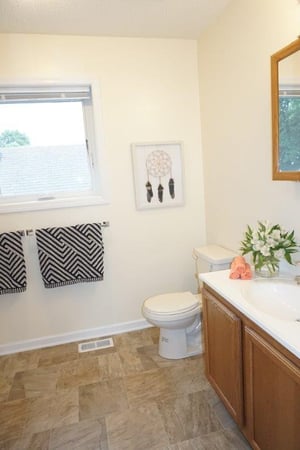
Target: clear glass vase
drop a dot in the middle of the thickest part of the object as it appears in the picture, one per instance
(268, 270)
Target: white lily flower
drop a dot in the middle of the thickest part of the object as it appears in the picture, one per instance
(265, 250)
(279, 253)
(271, 242)
(276, 234)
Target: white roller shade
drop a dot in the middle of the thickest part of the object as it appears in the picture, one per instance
(19, 94)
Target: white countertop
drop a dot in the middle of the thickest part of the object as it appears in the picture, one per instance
(284, 331)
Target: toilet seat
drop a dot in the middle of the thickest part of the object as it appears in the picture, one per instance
(171, 304)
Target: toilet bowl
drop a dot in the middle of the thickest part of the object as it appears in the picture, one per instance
(178, 314)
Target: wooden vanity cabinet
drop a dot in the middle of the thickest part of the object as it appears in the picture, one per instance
(223, 364)
(272, 393)
(256, 377)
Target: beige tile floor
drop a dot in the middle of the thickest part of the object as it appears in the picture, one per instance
(122, 398)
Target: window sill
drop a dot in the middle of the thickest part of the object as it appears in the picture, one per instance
(53, 203)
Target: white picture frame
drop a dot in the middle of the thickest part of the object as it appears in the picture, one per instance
(158, 174)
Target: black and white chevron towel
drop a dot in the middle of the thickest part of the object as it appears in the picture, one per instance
(12, 263)
(70, 255)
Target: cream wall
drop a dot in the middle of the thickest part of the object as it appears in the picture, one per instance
(149, 92)
(234, 72)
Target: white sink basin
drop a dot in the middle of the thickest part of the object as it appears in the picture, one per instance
(279, 299)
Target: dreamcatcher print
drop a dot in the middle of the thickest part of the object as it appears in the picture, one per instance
(158, 174)
(159, 166)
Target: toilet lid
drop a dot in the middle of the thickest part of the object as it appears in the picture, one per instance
(174, 302)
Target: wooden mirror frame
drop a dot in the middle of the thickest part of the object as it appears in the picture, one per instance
(275, 59)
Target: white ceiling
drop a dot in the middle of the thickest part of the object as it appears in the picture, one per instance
(129, 18)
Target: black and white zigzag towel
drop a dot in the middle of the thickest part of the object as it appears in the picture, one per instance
(12, 263)
(70, 255)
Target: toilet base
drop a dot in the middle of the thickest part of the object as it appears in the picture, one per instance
(177, 344)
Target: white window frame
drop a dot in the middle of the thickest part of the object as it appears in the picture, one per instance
(92, 121)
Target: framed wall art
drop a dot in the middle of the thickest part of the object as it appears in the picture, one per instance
(157, 170)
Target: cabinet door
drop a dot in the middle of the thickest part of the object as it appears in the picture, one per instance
(272, 386)
(223, 354)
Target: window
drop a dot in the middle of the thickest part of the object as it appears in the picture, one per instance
(47, 156)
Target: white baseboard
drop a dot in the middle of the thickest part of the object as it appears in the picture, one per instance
(65, 338)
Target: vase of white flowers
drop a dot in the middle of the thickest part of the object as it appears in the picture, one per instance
(268, 244)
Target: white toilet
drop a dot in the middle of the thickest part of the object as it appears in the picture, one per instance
(177, 314)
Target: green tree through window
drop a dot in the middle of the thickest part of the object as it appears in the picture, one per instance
(13, 138)
(289, 133)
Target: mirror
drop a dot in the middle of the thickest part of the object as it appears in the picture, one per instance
(285, 84)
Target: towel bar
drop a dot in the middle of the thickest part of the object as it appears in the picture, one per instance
(30, 232)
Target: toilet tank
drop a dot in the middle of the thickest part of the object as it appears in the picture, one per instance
(211, 258)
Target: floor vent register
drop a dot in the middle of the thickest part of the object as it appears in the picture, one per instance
(95, 345)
